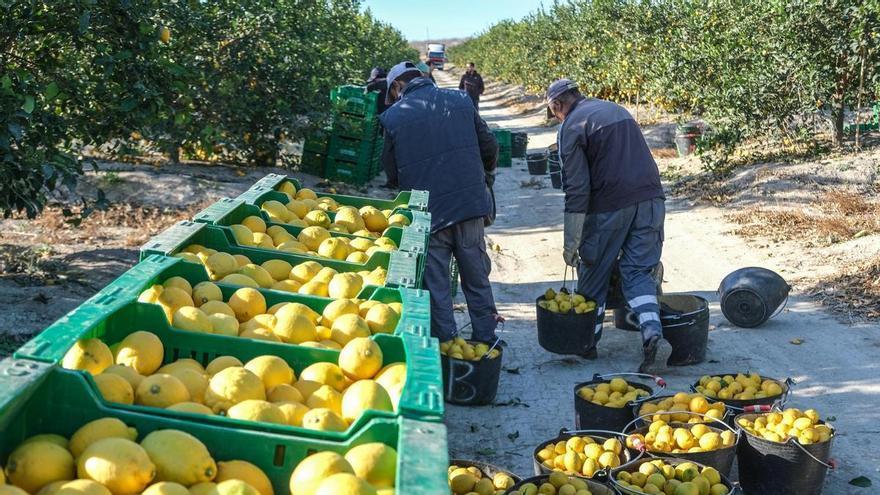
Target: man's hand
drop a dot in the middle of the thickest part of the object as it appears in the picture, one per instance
(490, 178)
(573, 233)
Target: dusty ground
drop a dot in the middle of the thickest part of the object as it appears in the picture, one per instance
(834, 363)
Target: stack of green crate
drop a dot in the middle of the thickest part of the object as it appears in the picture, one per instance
(505, 147)
(355, 136)
(315, 153)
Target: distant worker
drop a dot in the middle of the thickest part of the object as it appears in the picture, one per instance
(472, 84)
(435, 141)
(613, 208)
(376, 82)
(427, 69)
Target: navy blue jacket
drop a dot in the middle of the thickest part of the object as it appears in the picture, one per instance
(606, 163)
(435, 141)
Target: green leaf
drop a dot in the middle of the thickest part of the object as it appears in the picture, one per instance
(861, 482)
(5, 82)
(51, 91)
(28, 105)
(84, 20)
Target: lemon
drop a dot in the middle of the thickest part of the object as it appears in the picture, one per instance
(96, 430)
(263, 320)
(323, 419)
(43, 437)
(142, 351)
(294, 327)
(179, 457)
(50, 489)
(117, 463)
(191, 407)
(314, 288)
(345, 285)
(329, 344)
(33, 465)
(313, 236)
(179, 282)
(307, 387)
(277, 269)
(181, 363)
(324, 373)
(90, 355)
(365, 306)
(231, 386)
(243, 235)
(398, 220)
(392, 377)
(254, 223)
(361, 358)
(374, 220)
(151, 295)
(247, 472)
(298, 208)
(317, 218)
(166, 488)
(14, 490)
(382, 319)
(306, 193)
(192, 319)
(304, 272)
(114, 388)
(257, 410)
(376, 463)
(344, 483)
(258, 274)
(161, 390)
(206, 291)
(217, 307)
(333, 248)
(338, 308)
(363, 395)
(236, 487)
(194, 381)
(312, 470)
(276, 209)
(325, 397)
(247, 303)
(221, 264)
(240, 280)
(82, 487)
(272, 370)
(349, 218)
(293, 411)
(287, 286)
(205, 488)
(221, 363)
(223, 324)
(348, 327)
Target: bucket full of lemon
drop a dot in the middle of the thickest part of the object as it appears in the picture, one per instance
(466, 476)
(471, 371)
(560, 483)
(583, 453)
(711, 444)
(678, 408)
(606, 402)
(674, 476)
(566, 321)
(784, 452)
(745, 392)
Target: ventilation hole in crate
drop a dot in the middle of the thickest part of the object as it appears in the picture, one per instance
(279, 455)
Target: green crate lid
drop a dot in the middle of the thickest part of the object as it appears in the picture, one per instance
(41, 398)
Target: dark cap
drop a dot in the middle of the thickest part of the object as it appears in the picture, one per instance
(558, 87)
(376, 73)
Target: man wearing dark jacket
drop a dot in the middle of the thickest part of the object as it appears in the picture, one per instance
(435, 141)
(376, 82)
(472, 84)
(613, 208)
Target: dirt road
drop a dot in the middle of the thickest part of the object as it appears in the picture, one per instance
(835, 365)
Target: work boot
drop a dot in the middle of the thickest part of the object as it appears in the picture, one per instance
(657, 351)
(591, 354)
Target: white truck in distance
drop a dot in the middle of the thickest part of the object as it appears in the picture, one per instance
(437, 54)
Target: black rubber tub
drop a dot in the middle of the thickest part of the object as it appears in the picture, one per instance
(537, 163)
(471, 383)
(751, 296)
(565, 333)
(588, 415)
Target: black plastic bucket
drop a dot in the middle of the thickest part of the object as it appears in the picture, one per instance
(471, 383)
(672, 461)
(519, 143)
(589, 416)
(555, 168)
(488, 470)
(615, 291)
(685, 320)
(596, 487)
(743, 405)
(565, 333)
(625, 319)
(720, 459)
(686, 137)
(537, 163)
(751, 296)
(781, 468)
(625, 455)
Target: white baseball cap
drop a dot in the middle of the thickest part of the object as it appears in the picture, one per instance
(395, 72)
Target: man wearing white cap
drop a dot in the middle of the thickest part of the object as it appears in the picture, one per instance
(614, 209)
(435, 141)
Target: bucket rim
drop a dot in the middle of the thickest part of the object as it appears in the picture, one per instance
(598, 378)
(790, 441)
(703, 309)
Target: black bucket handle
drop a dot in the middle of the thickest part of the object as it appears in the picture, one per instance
(658, 380)
(736, 432)
(494, 344)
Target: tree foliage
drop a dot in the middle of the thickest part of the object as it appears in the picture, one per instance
(224, 78)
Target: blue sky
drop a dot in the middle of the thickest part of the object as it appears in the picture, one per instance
(447, 18)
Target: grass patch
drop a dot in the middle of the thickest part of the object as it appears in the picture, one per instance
(855, 292)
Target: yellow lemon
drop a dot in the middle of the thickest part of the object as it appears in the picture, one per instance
(348, 484)
(361, 358)
(247, 303)
(223, 324)
(221, 264)
(338, 308)
(277, 269)
(50, 489)
(195, 382)
(313, 236)
(96, 430)
(179, 282)
(117, 463)
(220, 363)
(247, 472)
(323, 419)
(294, 327)
(345, 285)
(114, 388)
(142, 351)
(243, 235)
(217, 307)
(304, 272)
(257, 410)
(258, 274)
(161, 390)
(33, 465)
(293, 411)
(82, 487)
(179, 457)
(231, 386)
(314, 288)
(287, 286)
(348, 327)
(307, 387)
(254, 223)
(192, 319)
(374, 220)
(375, 463)
(324, 373)
(398, 220)
(240, 280)
(333, 248)
(312, 470)
(382, 319)
(166, 488)
(181, 363)
(284, 393)
(272, 370)
(43, 437)
(325, 397)
(90, 355)
(191, 407)
(363, 395)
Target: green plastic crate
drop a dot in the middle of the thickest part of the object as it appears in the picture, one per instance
(351, 149)
(228, 212)
(505, 159)
(414, 200)
(312, 163)
(503, 137)
(317, 142)
(422, 396)
(402, 266)
(155, 269)
(38, 398)
(355, 126)
(354, 100)
(357, 173)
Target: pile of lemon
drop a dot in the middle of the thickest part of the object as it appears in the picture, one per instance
(558, 484)
(466, 480)
(740, 387)
(308, 277)
(789, 424)
(459, 348)
(694, 438)
(677, 407)
(616, 394)
(202, 309)
(563, 302)
(326, 396)
(103, 457)
(368, 469)
(581, 455)
(658, 478)
(306, 197)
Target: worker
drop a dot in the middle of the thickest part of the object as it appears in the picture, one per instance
(426, 69)
(613, 209)
(376, 82)
(435, 141)
(472, 83)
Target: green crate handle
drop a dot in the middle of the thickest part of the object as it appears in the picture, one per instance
(421, 446)
(173, 239)
(218, 210)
